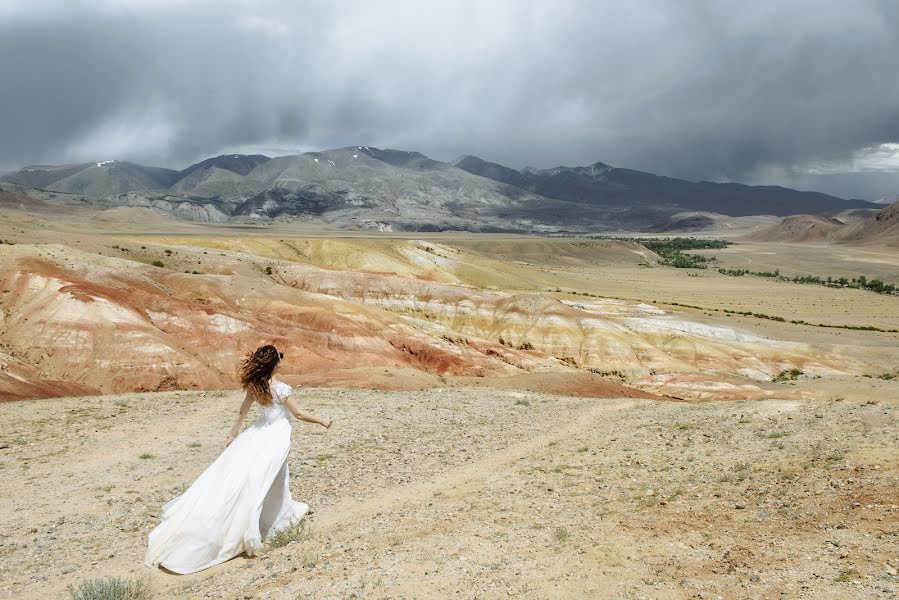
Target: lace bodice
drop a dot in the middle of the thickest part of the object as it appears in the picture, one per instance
(280, 392)
(276, 410)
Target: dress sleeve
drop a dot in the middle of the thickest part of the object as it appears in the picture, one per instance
(284, 391)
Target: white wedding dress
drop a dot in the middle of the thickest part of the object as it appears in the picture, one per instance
(237, 502)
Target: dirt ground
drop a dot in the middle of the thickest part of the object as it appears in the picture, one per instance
(552, 482)
(475, 493)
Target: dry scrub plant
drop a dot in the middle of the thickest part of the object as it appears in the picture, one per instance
(111, 588)
(296, 532)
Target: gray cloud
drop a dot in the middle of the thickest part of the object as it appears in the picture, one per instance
(702, 90)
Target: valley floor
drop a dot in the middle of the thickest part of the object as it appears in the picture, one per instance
(475, 493)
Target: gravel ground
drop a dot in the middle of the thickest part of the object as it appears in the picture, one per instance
(474, 493)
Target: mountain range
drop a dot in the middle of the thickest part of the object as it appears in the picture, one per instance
(363, 187)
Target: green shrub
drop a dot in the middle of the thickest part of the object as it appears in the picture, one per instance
(111, 589)
(157, 263)
(296, 532)
(671, 250)
(787, 375)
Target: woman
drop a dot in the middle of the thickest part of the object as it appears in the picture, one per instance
(242, 497)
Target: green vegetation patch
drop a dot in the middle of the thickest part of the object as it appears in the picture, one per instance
(111, 589)
(672, 251)
(296, 532)
(859, 283)
(787, 375)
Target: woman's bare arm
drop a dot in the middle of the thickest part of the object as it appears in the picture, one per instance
(302, 415)
(244, 409)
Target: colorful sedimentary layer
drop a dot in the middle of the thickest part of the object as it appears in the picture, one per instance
(75, 322)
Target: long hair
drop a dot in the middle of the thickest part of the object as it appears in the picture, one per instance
(256, 370)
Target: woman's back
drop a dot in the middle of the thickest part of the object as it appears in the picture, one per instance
(269, 413)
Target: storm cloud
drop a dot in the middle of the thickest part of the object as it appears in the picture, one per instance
(763, 91)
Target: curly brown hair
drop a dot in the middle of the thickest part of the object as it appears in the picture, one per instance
(256, 370)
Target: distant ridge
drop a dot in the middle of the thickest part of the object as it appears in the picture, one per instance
(798, 228)
(236, 163)
(880, 228)
(363, 187)
(600, 183)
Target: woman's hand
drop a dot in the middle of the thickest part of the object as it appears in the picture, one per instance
(326, 422)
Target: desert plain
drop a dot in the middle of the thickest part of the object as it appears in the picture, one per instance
(516, 416)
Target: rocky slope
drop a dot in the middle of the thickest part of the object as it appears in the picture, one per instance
(878, 227)
(798, 228)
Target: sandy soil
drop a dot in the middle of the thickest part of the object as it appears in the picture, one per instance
(475, 493)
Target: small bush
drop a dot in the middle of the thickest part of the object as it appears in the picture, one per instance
(268, 270)
(145, 456)
(157, 263)
(847, 575)
(787, 375)
(111, 588)
(296, 532)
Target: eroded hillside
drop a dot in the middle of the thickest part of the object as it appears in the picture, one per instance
(102, 318)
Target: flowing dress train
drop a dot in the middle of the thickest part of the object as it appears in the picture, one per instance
(236, 503)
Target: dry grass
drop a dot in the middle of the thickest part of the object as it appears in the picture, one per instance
(296, 532)
(112, 588)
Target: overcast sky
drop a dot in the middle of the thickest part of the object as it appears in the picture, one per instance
(796, 92)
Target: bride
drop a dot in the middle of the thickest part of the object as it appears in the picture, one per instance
(242, 497)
